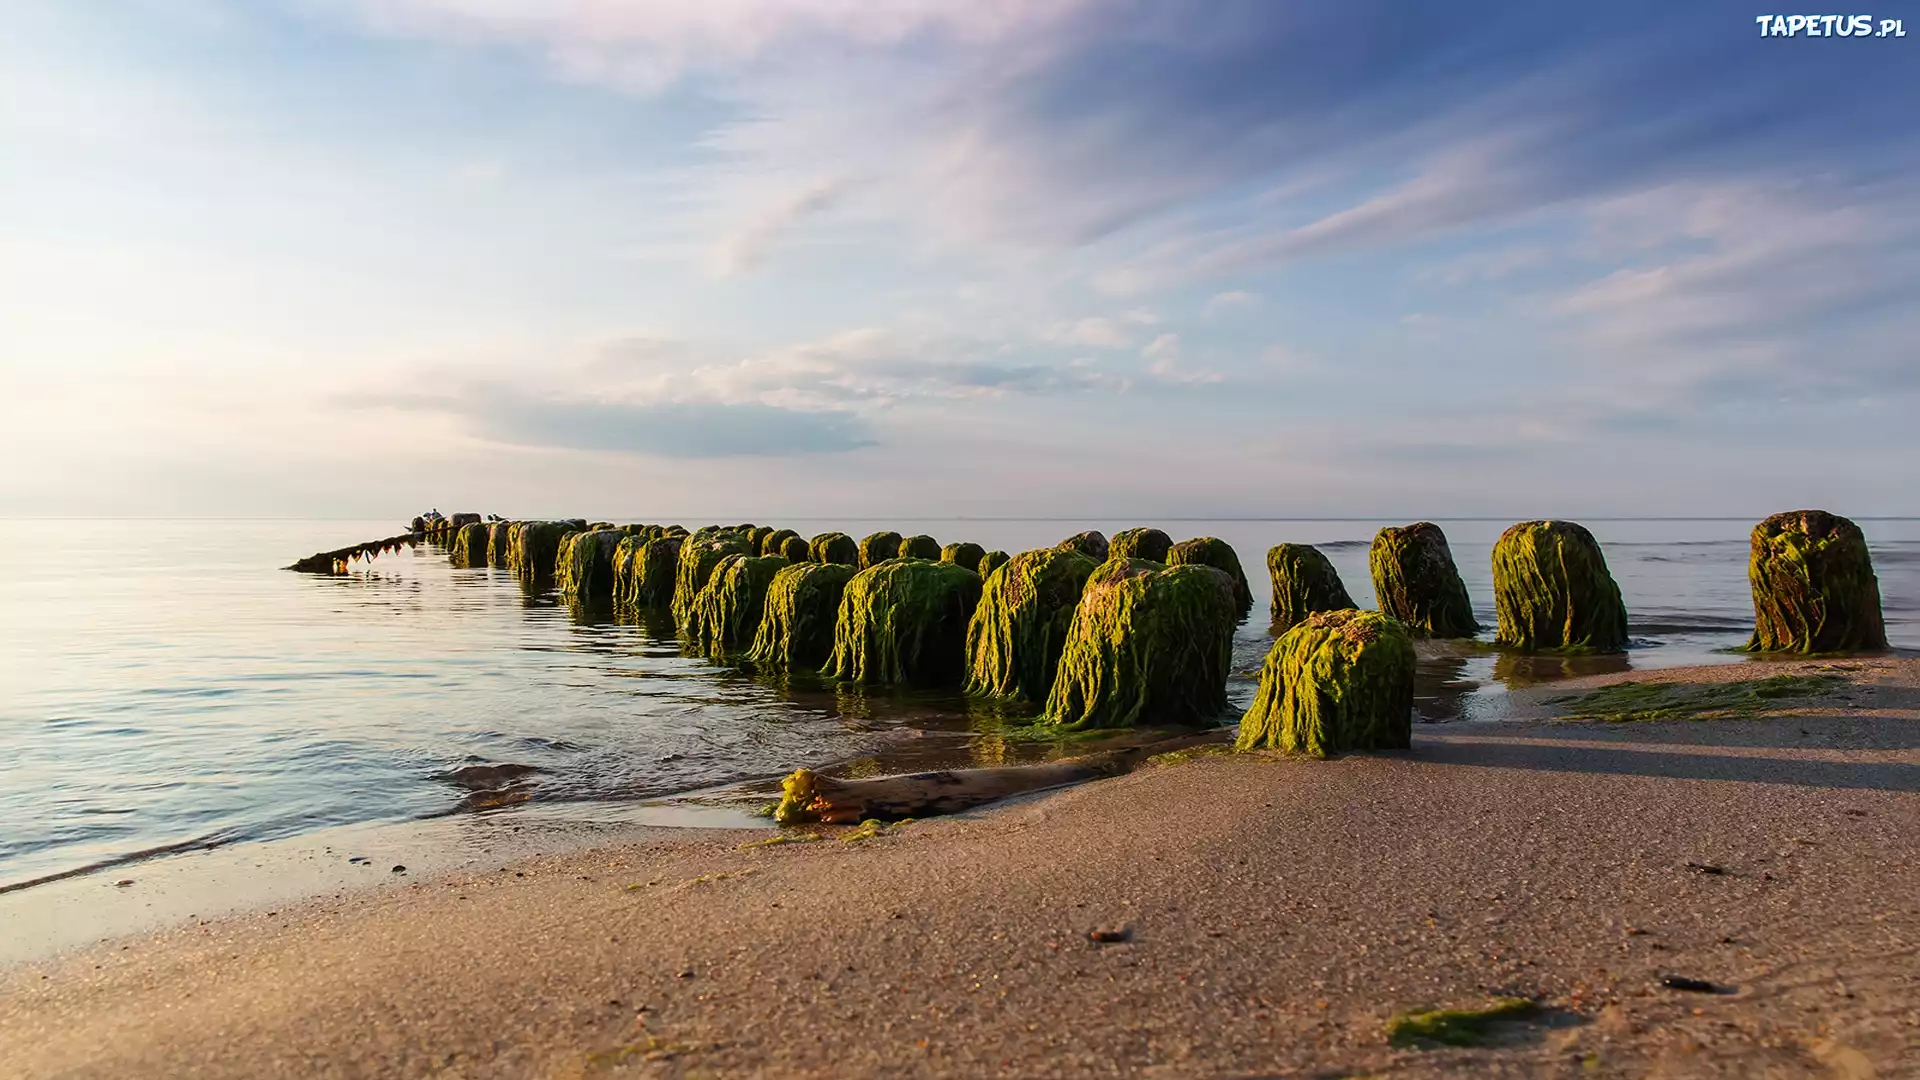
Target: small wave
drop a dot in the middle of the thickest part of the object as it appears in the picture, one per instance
(211, 840)
(1344, 545)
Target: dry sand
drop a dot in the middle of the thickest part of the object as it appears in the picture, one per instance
(1276, 912)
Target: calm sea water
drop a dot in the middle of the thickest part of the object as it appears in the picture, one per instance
(164, 685)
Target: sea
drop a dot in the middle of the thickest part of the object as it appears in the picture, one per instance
(166, 686)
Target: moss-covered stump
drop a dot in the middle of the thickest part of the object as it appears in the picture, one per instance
(1140, 543)
(1208, 551)
(1092, 543)
(796, 628)
(644, 572)
(904, 622)
(757, 536)
(920, 547)
(461, 521)
(698, 556)
(1149, 645)
(834, 547)
(991, 561)
(1304, 583)
(417, 525)
(470, 545)
(1814, 590)
(965, 553)
(878, 548)
(725, 615)
(1020, 627)
(583, 570)
(499, 543)
(775, 542)
(794, 549)
(535, 547)
(1551, 590)
(1339, 681)
(1416, 582)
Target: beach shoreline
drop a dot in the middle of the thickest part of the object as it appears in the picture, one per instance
(1273, 915)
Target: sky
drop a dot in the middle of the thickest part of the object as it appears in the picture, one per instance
(745, 259)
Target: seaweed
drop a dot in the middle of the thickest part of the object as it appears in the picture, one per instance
(1208, 551)
(644, 572)
(1456, 1027)
(963, 553)
(583, 568)
(834, 547)
(1629, 702)
(1552, 591)
(904, 622)
(1337, 681)
(1140, 542)
(1304, 583)
(797, 627)
(1020, 626)
(991, 561)
(1149, 645)
(920, 547)
(1417, 583)
(878, 548)
(470, 545)
(725, 614)
(1814, 590)
(536, 547)
(775, 542)
(698, 556)
(793, 549)
(499, 543)
(1092, 544)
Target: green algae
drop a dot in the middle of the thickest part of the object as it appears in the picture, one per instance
(775, 542)
(793, 549)
(1417, 583)
(834, 547)
(920, 547)
(1140, 542)
(1337, 681)
(1304, 583)
(583, 567)
(499, 543)
(1209, 551)
(797, 626)
(1191, 753)
(1630, 702)
(470, 545)
(1020, 626)
(991, 561)
(964, 553)
(796, 799)
(1456, 1027)
(1814, 590)
(536, 546)
(725, 614)
(698, 556)
(1552, 590)
(644, 572)
(904, 622)
(1150, 645)
(1092, 543)
(757, 537)
(878, 548)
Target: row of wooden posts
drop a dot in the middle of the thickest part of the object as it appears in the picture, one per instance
(1138, 631)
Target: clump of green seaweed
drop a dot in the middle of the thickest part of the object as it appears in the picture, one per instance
(1416, 582)
(797, 624)
(964, 553)
(536, 546)
(834, 547)
(991, 561)
(1092, 543)
(1304, 583)
(1743, 699)
(583, 568)
(775, 542)
(1337, 681)
(1814, 590)
(644, 572)
(1149, 645)
(793, 549)
(919, 547)
(1020, 627)
(725, 614)
(904, 622)
(1456, 1027)
(470, 545)
(878, 547)
(1552, 590)
(699, 555)
(499, 543)
(1140, 542)
(1209, 551)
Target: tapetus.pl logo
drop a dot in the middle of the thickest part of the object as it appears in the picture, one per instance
(1859, 26)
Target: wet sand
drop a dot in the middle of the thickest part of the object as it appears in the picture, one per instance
(1275, 914)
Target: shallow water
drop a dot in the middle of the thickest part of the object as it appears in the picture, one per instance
(164, 686)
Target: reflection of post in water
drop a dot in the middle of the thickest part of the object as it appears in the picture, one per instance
(1518, 670)
(655, 624)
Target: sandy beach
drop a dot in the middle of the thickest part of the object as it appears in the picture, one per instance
(1269, 916)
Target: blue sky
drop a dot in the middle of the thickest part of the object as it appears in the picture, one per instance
(1062, 257)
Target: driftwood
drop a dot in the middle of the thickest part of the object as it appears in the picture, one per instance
(335, 562)
(809, 796)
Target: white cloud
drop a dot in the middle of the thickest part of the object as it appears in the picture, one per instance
(1222, 303)
(747, 250)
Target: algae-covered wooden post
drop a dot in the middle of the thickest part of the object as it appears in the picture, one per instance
(699, 555)
(725, 614)
(991, 561)
(1209, 551)
(775, 542)
(1141, 542)
(1019, 629)
(1092, 543)
(878, 547)
(1814, 590)
(644, 572)
(1304, 582)
(1416, 582)
(919, 547)
(470, 546)
(583, 570)
(1552, 591)
(796, 628)
(499, 543)
(904, 622)
(1149, 645)
(964, 553)
(834, 547)
(1337, 681)
(535, 548)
